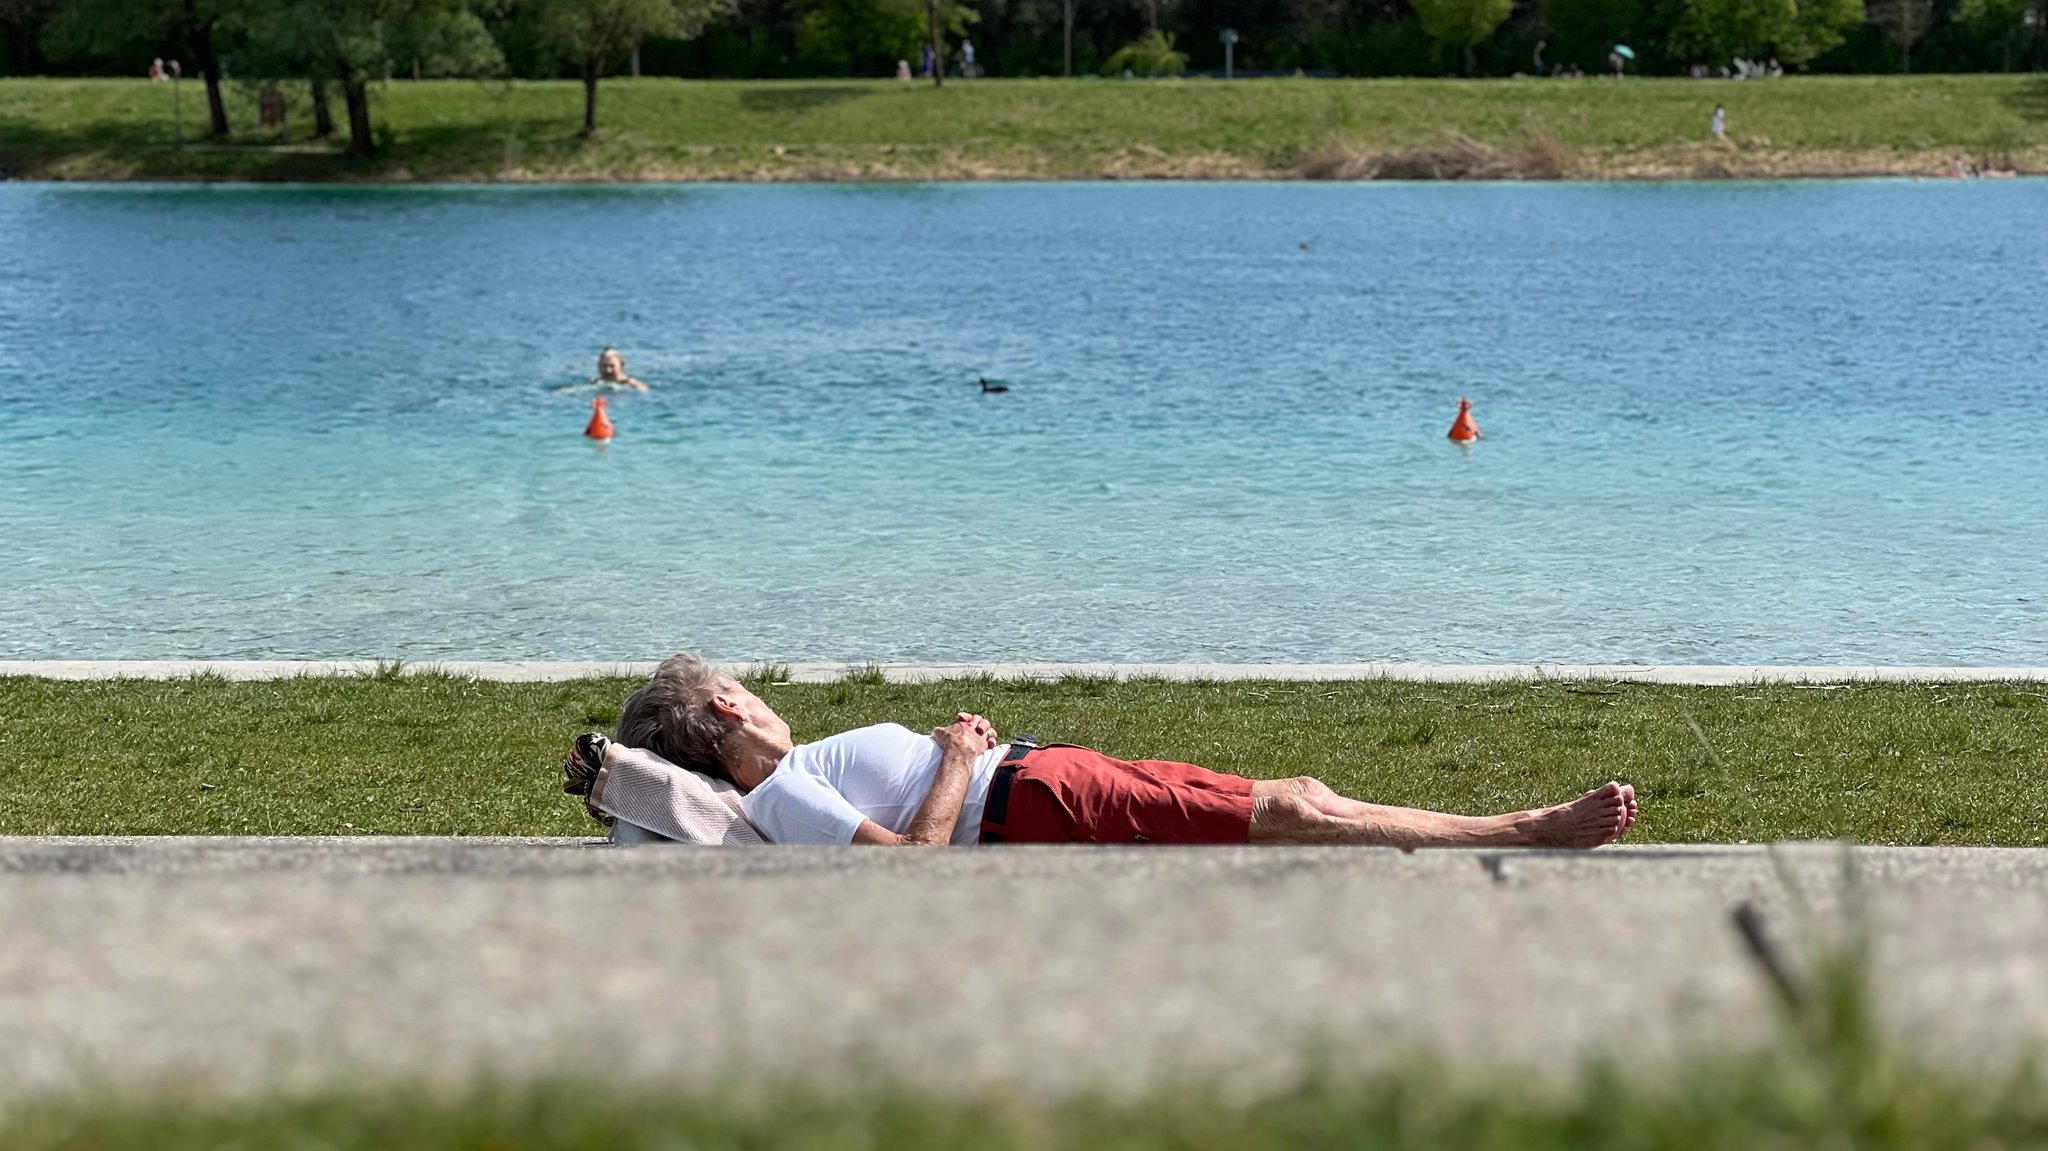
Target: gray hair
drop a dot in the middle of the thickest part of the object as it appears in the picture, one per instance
(671, 716)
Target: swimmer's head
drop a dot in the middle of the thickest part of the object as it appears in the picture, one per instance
(611, 365)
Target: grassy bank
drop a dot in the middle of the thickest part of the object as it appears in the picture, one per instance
(428, 754)
(657, 129)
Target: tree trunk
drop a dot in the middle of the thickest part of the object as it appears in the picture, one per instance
(593, 66)
(201, 42)
(1067, 68)
(1468, 61)
(931, 27)
(356, 94)
(323, 116)
(21, 31)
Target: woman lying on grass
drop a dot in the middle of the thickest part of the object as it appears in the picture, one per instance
(889, 785)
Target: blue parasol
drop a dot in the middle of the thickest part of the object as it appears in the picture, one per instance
(1624, 51)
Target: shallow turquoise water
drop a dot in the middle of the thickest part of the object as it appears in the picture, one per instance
(1724, 423)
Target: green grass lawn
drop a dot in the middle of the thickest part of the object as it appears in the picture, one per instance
(431, 753)
(670, 129)
(436, 755)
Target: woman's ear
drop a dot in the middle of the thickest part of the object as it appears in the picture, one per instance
(726, 707)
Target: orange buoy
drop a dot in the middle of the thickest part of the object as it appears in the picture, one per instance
(600, 425)
(1463, 430)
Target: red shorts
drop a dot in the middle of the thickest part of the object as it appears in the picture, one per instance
(1065, 794)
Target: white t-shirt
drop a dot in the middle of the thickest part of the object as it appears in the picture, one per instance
(821, 791)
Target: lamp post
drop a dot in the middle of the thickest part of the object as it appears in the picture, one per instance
(177, 104)
(1067, 33)
(1229, 38)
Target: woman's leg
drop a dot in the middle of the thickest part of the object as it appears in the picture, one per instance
(1305, 810)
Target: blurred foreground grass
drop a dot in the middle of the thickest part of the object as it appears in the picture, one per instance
(1727, 1104)
(430, 754)
(662, 129)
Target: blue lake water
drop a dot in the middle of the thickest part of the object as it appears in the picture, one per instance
(1724, 423)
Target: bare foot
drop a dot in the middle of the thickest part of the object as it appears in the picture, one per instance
(1599, 816)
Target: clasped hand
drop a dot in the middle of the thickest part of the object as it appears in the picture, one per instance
(969, 733)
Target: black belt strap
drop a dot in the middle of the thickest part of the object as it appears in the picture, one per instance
(998, 804)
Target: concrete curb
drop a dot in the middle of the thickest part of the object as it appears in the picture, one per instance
(225, 967)
(542, 671)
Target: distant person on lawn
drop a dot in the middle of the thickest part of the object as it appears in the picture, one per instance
(962, 784)
(1718, 124)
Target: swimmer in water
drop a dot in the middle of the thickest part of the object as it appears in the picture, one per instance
(611, 375)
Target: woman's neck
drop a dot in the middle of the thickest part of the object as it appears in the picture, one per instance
(755, 762)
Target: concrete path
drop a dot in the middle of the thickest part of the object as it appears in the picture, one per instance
(248, 962)
(527, 671)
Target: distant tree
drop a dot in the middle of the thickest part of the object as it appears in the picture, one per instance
(1585, 30)
(21, 24)
(2004, 21)
(1723, 29)
(278, 40)
(353, 44)
(139, 27)
(1904, 22)
(1818, 27)
(593, 32)
(1795, 31)
(1149, 55)
(857, 37)
(941, 19)
(1462, 24)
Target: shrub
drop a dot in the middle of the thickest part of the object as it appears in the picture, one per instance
(1149, 55)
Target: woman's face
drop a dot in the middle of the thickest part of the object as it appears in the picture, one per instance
(611, 365)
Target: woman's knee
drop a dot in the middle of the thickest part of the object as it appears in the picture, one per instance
(1301, 787)
(1312, 789)
(1285, 808)
(1290, 819)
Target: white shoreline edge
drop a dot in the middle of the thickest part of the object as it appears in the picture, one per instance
(549, 671)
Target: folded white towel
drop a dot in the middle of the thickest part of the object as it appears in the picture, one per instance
(647, 791)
